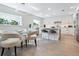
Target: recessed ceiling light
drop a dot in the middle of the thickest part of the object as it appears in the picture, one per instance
(49, 9)
(47, 15)
(72, 7)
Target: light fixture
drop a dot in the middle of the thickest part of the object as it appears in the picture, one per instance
(72, 8)
(47, 15)
(49, 9)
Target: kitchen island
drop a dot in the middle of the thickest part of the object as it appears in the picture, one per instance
(51, 33)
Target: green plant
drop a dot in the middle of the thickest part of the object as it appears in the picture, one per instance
(13, 22)
(35, 24)
(1, 20)
(5, 22)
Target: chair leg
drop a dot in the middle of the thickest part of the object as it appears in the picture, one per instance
(21, 44)
(26, 42)
(2, 51)
(15, 51)
(35, 42)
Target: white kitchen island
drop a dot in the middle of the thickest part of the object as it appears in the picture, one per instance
(54, 35)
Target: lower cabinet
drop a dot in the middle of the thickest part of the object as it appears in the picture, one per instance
(50, 36)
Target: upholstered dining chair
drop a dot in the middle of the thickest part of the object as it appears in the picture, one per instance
(32, 36)
(9, 41)
(28, 35)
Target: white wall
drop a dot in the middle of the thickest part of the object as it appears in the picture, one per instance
(28, 19)
(65, 19)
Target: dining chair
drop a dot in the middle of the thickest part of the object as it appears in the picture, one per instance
(32, 36)
(9, 41)
(27, 36)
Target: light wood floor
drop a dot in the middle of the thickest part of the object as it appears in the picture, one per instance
(67, 46)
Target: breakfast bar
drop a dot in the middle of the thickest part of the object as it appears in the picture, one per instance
(51, 33)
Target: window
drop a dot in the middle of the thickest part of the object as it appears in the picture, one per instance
(10, 19)
(36, 23)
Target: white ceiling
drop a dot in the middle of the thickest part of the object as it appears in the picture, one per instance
(45, 9)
